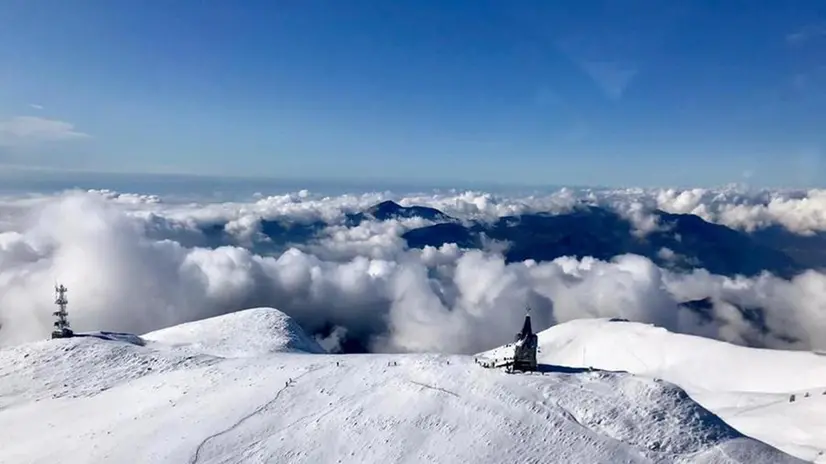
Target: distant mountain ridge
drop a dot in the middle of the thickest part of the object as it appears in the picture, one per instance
(682, 242)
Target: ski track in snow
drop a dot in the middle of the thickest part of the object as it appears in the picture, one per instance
(243, 419)
(434, 388)
(317, 415)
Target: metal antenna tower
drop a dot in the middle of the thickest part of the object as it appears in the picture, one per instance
(61, 325)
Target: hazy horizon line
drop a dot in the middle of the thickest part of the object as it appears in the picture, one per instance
(386, 183)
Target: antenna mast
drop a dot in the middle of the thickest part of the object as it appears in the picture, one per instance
(61, 325)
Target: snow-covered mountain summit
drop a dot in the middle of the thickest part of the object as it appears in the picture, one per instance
(252, 332)
(252, 387)
(751, 389)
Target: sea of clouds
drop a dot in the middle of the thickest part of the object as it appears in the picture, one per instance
(137, 263)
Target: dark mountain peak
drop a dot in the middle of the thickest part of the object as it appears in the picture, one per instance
(391, 210)
(387, 206)
(690, 221)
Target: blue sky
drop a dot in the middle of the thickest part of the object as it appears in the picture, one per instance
(541, 92)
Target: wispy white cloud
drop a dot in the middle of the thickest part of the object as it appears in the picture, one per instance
(612, 70)
(26, 129)
(810, 81)
(611, 76)
(35, 106)
(806, 33)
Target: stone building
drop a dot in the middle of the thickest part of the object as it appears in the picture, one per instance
(524, 347)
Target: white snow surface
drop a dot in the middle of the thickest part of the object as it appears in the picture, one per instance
(748, 388)
(248, 387)
(251, 332)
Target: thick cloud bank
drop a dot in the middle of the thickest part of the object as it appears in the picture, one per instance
(134, 263)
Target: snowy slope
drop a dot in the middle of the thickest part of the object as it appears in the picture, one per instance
(250, 332)
(748, 388)
(95, 400)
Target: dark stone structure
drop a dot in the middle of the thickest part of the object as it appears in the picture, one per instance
(524, 348)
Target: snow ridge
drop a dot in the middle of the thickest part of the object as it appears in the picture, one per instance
(252, 387)
(251, 332)
(776, 396)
